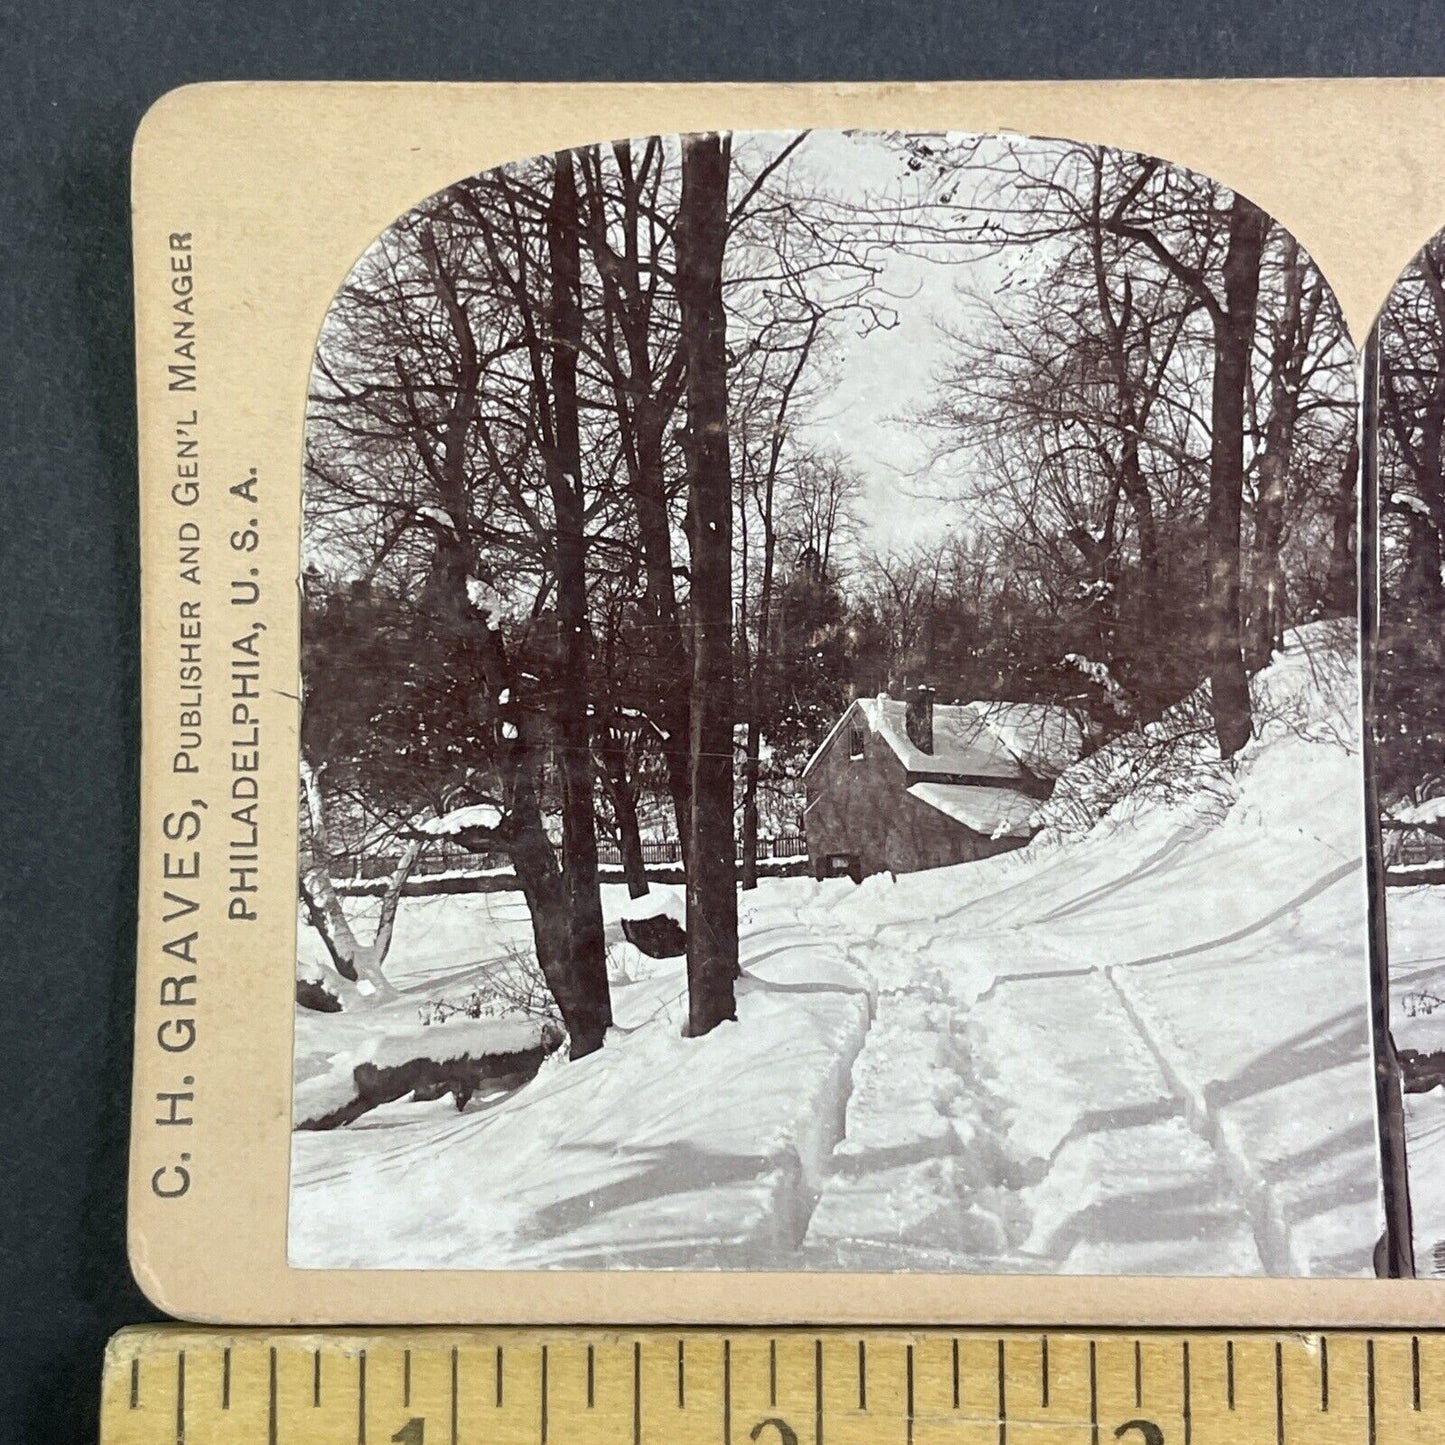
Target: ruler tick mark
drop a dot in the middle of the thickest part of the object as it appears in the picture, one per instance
(1229, 1372)
(1093, 1393)
(1278, 1393)
(818, 1390)
(271, 1419)
(456, 1393)
(360, 1393)
(681, 1375)
(1324, 1374)
(226, 1378)
(862, 1375)
(1370, 1391)
(1188, 1407)
(405, 1378)
(315, 1378)
(637, 1393)
(544, 1395)
(591, 1377)
(772, 1372)
(1414, 1372)
(1044, 1372)
(181, 1397)
(1138, 1375)
(1002, 1397)
(908, 1371)
(727, 1392)
(135, 1383)
(957, 1382)
(499, 1377)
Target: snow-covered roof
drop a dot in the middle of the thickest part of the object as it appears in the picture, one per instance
(994, 812)
(974, 739)
(1044, 738)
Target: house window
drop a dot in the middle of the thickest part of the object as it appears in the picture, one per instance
(855, 743)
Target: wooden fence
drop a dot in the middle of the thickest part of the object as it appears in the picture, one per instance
(447, 858)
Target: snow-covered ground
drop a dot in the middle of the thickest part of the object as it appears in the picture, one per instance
(1416, 923)
(1143, 1047)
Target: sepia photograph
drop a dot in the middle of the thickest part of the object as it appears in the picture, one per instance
(831, 726)
(1407, 427)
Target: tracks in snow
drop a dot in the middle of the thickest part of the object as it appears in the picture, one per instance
(1036, 1123)
(1271, 1233)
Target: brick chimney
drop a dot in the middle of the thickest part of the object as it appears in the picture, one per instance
(918, 718)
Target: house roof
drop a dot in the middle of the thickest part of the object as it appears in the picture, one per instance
(1046, 739)
(994, 812)
(1002, 740)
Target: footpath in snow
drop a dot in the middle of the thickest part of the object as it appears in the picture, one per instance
(1139, 1048)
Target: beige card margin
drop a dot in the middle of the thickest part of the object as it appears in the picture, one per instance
(281, 187)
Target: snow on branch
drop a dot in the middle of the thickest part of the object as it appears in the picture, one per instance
(1428, 816)
(484, 598)
(1098, 673)
(484, 816)
(1407, 503)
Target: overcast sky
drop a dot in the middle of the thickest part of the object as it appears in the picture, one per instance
(883, 376)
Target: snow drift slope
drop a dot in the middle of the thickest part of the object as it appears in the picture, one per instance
(1141, 1049)
(1155, 1039)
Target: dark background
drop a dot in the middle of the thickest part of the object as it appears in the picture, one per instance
(74, 81)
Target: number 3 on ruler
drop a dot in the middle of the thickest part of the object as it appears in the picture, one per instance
(410, 1433)
(1152, 1434)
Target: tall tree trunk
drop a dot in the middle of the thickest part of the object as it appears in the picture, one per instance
(646, 393)
(1264, 630)
(1151, 684)
(671, 707)
(586, 1013)
(752, 771)
(1342, 595)
(712, 903)
(1134, 400)
(622, 793)
(572, 703)
(524, 837)
(758, 659)
(751, 662)
(472, 631)
(1233, 342)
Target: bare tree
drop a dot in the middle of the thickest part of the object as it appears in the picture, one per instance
(760, 463)
(712, 910)
(359, 964)
(1233, 315)
(423, 420)
(1136, 257)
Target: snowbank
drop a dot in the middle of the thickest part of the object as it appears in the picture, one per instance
(656, 903)
(657, 1150)
(331, 1048)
